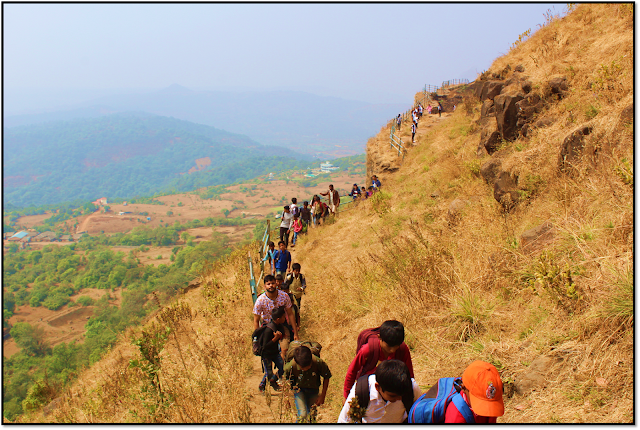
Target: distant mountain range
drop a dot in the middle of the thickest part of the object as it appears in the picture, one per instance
(324, 127)
(128, 154)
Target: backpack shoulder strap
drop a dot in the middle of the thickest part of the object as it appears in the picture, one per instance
(374, 355)
(463, 408)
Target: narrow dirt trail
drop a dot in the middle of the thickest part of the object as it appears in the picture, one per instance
(85, 222)
(260, 410)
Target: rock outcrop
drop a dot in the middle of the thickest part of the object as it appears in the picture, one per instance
(572, 147)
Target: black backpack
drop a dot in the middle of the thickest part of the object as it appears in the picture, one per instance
(257, 336)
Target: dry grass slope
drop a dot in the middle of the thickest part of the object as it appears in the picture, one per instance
(557, 321)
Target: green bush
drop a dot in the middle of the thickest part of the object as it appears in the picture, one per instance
(85, 300)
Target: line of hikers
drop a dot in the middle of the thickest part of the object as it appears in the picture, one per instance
(298, 219)
(416, 114)
(379, 386)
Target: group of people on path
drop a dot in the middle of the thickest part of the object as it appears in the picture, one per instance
(297, 219)
(364, 193)
(416, 114)
(379, 385)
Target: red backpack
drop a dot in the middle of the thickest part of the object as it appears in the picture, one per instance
(370, 337)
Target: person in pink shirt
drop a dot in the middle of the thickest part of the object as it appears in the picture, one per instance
(296, 226)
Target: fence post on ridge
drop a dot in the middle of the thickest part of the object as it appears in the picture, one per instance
(252, 280)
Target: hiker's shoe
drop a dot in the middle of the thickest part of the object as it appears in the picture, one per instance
(275, 386)
(261, 387)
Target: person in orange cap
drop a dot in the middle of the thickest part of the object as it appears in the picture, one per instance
(482, 390)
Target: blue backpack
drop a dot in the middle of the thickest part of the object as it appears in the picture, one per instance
(428, 409)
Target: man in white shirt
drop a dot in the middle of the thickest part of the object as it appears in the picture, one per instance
(391, 393)
(334, 199)
(287, 216)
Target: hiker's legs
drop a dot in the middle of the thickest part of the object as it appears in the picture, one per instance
(283, 231)
(279, 362)
(298, 300)
(304, 398)
(267, 366)
(295, 236)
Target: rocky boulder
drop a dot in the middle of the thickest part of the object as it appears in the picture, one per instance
(490, 170)
(527, 109)
(507, 115)
(572, 147)
(535, 375)
(537, 237)
(505, 191)
(491, 89)
(558, 86)
(488, 109)
(490, 138)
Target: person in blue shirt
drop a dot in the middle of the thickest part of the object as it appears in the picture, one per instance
(375, 182)
(355, 191)
(270, 256)
(282, 259)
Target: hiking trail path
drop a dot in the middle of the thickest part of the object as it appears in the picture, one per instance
(260, 410)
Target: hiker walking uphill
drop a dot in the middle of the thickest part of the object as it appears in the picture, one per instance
(334, 199)
(303, 373)
(384, 397)
(305, 214)
(296, 226)
(268, 338)
(285, 225)
(474, 398)
(280, 285)
(271, 298)
(282, 259)
(270, 256)
(297, 283)
(377, 345)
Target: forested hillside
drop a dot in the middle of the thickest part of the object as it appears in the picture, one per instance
(125, 155)
(301, 121)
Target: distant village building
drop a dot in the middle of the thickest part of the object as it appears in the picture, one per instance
(18, 236)
(100, 202)
(47, 236)
(327, 167)
(65, 238)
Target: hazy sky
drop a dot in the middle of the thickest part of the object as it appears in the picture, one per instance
(371, 52)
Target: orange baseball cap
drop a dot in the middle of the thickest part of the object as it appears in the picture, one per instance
(485, 389)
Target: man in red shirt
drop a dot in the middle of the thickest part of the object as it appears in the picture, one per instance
(482, 390)
(388, 345)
